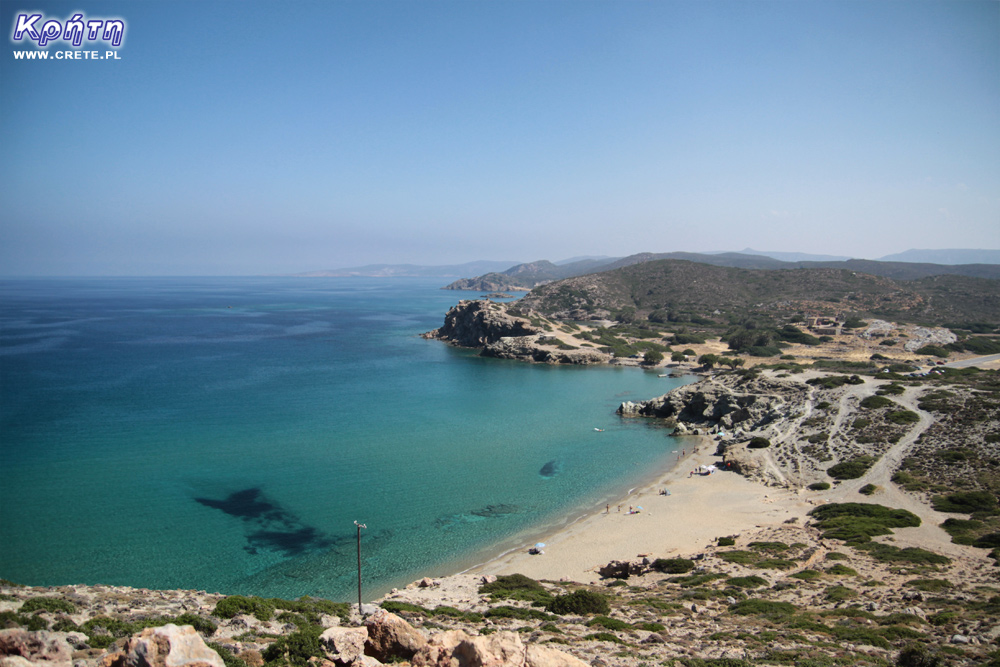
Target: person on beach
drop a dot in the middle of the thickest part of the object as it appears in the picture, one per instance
(607, 509)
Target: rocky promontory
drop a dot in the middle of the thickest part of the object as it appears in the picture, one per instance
(489, 327)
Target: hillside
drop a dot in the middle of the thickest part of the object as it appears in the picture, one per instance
(677, 291)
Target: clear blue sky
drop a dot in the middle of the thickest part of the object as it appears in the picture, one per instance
(277, 137)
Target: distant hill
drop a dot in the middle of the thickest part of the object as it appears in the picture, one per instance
(955, 256)
(410, 270)
(527, 276)
(794, 256)
(685, 291)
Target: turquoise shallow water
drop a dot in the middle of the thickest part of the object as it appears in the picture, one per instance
(224, 434)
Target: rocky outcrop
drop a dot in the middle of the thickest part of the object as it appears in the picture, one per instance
(528, 348)
(343, 645)
(478, 323)
(920, 336)
(456, 648)
(488, 326)
(750, 406)
(165, 646)
(390, 637)
(18, 646)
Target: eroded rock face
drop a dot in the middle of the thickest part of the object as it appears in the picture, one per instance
(478, 323)
(165, 646)
(390, 637)
(456, 648)
(343, 645)
(750, 406)
(527, 348)
(40, 648)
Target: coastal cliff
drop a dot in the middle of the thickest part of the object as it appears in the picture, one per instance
(489, 327)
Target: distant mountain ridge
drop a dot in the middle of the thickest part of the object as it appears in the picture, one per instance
(527, 276)
(685, 291)
(409, 270)
(954, 256)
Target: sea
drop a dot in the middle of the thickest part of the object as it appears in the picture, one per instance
(249, 435)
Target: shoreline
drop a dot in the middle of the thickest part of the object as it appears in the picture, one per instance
(697, 510)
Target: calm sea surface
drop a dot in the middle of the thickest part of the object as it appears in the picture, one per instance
(225, 434)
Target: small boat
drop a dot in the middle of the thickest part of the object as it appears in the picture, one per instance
(599, 430)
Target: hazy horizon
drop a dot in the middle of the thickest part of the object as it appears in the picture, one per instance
(276, 138)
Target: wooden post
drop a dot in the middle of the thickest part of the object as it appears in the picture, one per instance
(360, 526)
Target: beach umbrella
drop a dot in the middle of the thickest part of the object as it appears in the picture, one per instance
(539, 545)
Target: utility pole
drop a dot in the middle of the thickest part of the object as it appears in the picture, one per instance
(360, 526)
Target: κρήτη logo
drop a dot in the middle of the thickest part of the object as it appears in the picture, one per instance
(42, 30)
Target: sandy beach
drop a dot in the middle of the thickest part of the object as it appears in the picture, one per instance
(697, 510)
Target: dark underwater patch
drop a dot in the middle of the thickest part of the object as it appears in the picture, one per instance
(550, 469)
(271, 527)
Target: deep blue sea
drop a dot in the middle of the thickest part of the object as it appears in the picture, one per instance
(225, 433)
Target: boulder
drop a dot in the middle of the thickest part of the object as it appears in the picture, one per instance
(391, 637)
(42, 647)
(456, 648)
(165, 646)
(343, 645)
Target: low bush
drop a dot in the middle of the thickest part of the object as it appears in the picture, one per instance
(965, 502)
(579, 602)
(903, 417)
(840, 593)
(52, 605)
(231, 606)
(397, 607)
(806, 575)
(868, 489)
(752, 581)
(726, 541)
(516, 587)
(842, 570)
(819, 486)
(858, 522)
(609, 623)
(876, 402)
(851, 469)
(758, 442)
(523, 613)
(297, 648)
(766, 608)
(673, 565)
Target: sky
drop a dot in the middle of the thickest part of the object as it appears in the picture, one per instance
(248, 138)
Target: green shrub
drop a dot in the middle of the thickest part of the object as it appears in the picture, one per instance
(851, 469)
(933, 351)
(887, 553)
(752, 581)
(758, 442)
(516, 587)
(673, 565)
(51, 605)
(609, 623)
(231, 606)
(840, 593)
(805, 575)
(876, 402)
(903, 417)
(965, 502)
(768, 546)
(929, 585)
(650, 626)
(296, 648)
(726, 541)
(918, 655)
(868, 489)
(891, 389)
(952, 455)
(738, 556)
(579, 602)
(819, 486)
(842, 570)
(774, 564)
(858, 522)
(989, 541)
(766, 608)
(604, 637)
